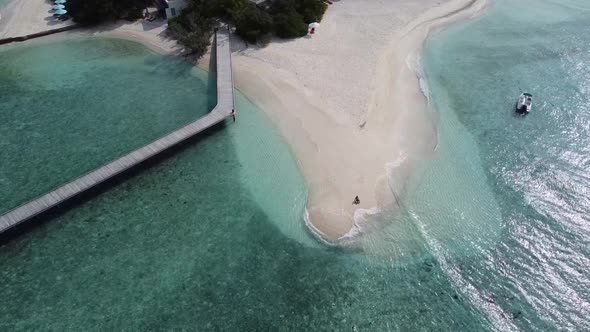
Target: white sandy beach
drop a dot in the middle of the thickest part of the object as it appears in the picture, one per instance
(25, 17)
(347, 100)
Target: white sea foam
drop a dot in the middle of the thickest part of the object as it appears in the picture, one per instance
(424, 87)
(493, 312)
(361, 220)
(315, 231)
(365, 221)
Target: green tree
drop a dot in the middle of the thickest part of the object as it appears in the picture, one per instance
(291, 17)
(92, 12)
(251, 22)
(289, 25)
(191, 30)
(311, 10)
(284, 18)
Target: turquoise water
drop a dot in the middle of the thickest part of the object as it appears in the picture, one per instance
(212, 238)
(505, 207)
(69, 107)
(495, 236)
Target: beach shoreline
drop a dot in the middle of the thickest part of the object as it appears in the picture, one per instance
(369, 153)
(25, 17)
(331, 96)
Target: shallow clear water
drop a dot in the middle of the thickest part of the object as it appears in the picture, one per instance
(69, 107)
(495, 236)
(505, 205)
(212, 239)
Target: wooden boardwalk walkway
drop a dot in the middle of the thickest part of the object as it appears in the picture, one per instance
(223, 110)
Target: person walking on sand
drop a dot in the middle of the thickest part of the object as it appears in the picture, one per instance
(356, 201)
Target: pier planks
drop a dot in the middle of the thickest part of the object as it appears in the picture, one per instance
(223, 110)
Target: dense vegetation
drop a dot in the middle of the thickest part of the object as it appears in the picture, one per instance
(284, 18)
(91, 12)
(193, 27)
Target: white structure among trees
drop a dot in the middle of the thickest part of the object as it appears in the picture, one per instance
(174, 7)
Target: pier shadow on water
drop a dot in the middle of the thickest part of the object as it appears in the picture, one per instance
(70, 106)
(183, 246)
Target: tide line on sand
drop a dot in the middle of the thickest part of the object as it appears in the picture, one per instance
(349, 102)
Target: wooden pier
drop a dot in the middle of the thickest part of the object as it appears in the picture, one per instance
(223, 110)
(38, 34)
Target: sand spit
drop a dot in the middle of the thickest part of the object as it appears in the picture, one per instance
(347, 100)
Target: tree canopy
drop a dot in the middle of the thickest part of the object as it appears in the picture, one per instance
(193, 27)
(283, 18)
(92, 12)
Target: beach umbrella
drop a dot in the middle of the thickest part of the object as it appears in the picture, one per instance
(58, 7)
(313, 26)
(60, 11)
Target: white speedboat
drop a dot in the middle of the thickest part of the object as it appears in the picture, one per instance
(525, 103)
